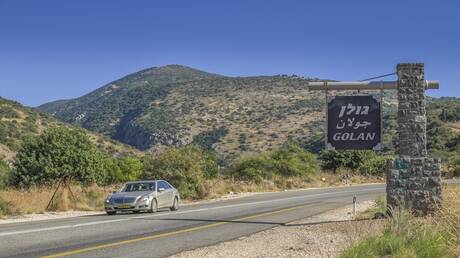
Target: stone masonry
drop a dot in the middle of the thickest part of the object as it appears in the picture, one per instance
(413, 180)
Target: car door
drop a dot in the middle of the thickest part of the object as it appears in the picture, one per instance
(163, 195)
(170, 194)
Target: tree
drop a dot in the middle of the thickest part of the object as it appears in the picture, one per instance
(60, 153)
(121, 170)
(185, 167)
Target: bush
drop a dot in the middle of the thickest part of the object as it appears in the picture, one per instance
(258, 166)
(294, 161)
(5, 172)
(186, 167)
(365, 162)
(288, 161)
(456, 167)
(374, 165)
(119, 170)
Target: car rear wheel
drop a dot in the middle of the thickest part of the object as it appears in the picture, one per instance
(175, 206)
(153, 206)
(111, 212)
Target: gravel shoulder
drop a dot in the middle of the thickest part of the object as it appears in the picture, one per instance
(324, 235)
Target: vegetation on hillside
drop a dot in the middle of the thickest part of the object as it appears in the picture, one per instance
(177, 105)
(17, 122)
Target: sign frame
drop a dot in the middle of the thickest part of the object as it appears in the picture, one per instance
(378, 99)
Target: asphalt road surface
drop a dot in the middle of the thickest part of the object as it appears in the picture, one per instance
(166, 233)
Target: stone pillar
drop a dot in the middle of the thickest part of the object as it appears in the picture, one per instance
(413, 180)
(411, 110)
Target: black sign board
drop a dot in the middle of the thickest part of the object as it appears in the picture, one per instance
(353, 123)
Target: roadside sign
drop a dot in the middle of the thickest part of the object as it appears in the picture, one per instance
(354, 123)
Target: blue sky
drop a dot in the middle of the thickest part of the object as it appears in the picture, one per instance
(51, 50)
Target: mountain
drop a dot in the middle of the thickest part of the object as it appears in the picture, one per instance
(17, 121)
(174, 105)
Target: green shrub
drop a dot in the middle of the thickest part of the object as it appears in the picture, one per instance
(374, 165)
(365, 162)
(288, 161)
(117, 170)
(5, 172)
(185, 167)
(257, 166)
(292, 160)
(456, 167)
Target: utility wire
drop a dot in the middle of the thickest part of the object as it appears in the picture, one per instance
(377, 77)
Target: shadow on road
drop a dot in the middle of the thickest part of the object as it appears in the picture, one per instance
(123, 213)
(256, 222)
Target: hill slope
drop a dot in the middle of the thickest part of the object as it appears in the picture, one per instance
(174, 105)
(17, 121)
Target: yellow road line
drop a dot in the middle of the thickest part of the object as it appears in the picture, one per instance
(130, 241)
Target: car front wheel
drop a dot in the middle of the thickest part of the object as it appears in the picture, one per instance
(153, 206)
(111, 212)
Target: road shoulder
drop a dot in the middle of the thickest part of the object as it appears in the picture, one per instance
(323, 235)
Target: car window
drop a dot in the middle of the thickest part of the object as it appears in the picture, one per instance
(138, 187)
(168, 186)
(163, 184)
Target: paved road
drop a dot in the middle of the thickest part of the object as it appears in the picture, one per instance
(166, 233)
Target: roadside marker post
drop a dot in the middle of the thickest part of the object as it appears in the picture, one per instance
(354, 205)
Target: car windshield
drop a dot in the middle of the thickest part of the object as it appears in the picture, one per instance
(139, 187)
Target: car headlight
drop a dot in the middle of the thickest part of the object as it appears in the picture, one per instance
(108, 199)
(144, 199)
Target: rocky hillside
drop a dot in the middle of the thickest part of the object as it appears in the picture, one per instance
(17, 121)
(174, 105)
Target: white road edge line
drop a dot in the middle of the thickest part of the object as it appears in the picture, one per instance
(10, 233)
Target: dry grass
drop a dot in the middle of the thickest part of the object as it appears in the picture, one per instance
(91, 198)
(407, 236)
(219, 187)
(36, 199)
(448, 216)
(454, 126)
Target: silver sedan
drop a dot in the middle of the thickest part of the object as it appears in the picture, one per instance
(140, 196)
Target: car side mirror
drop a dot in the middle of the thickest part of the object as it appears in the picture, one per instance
(114, 192)
(161, 189)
